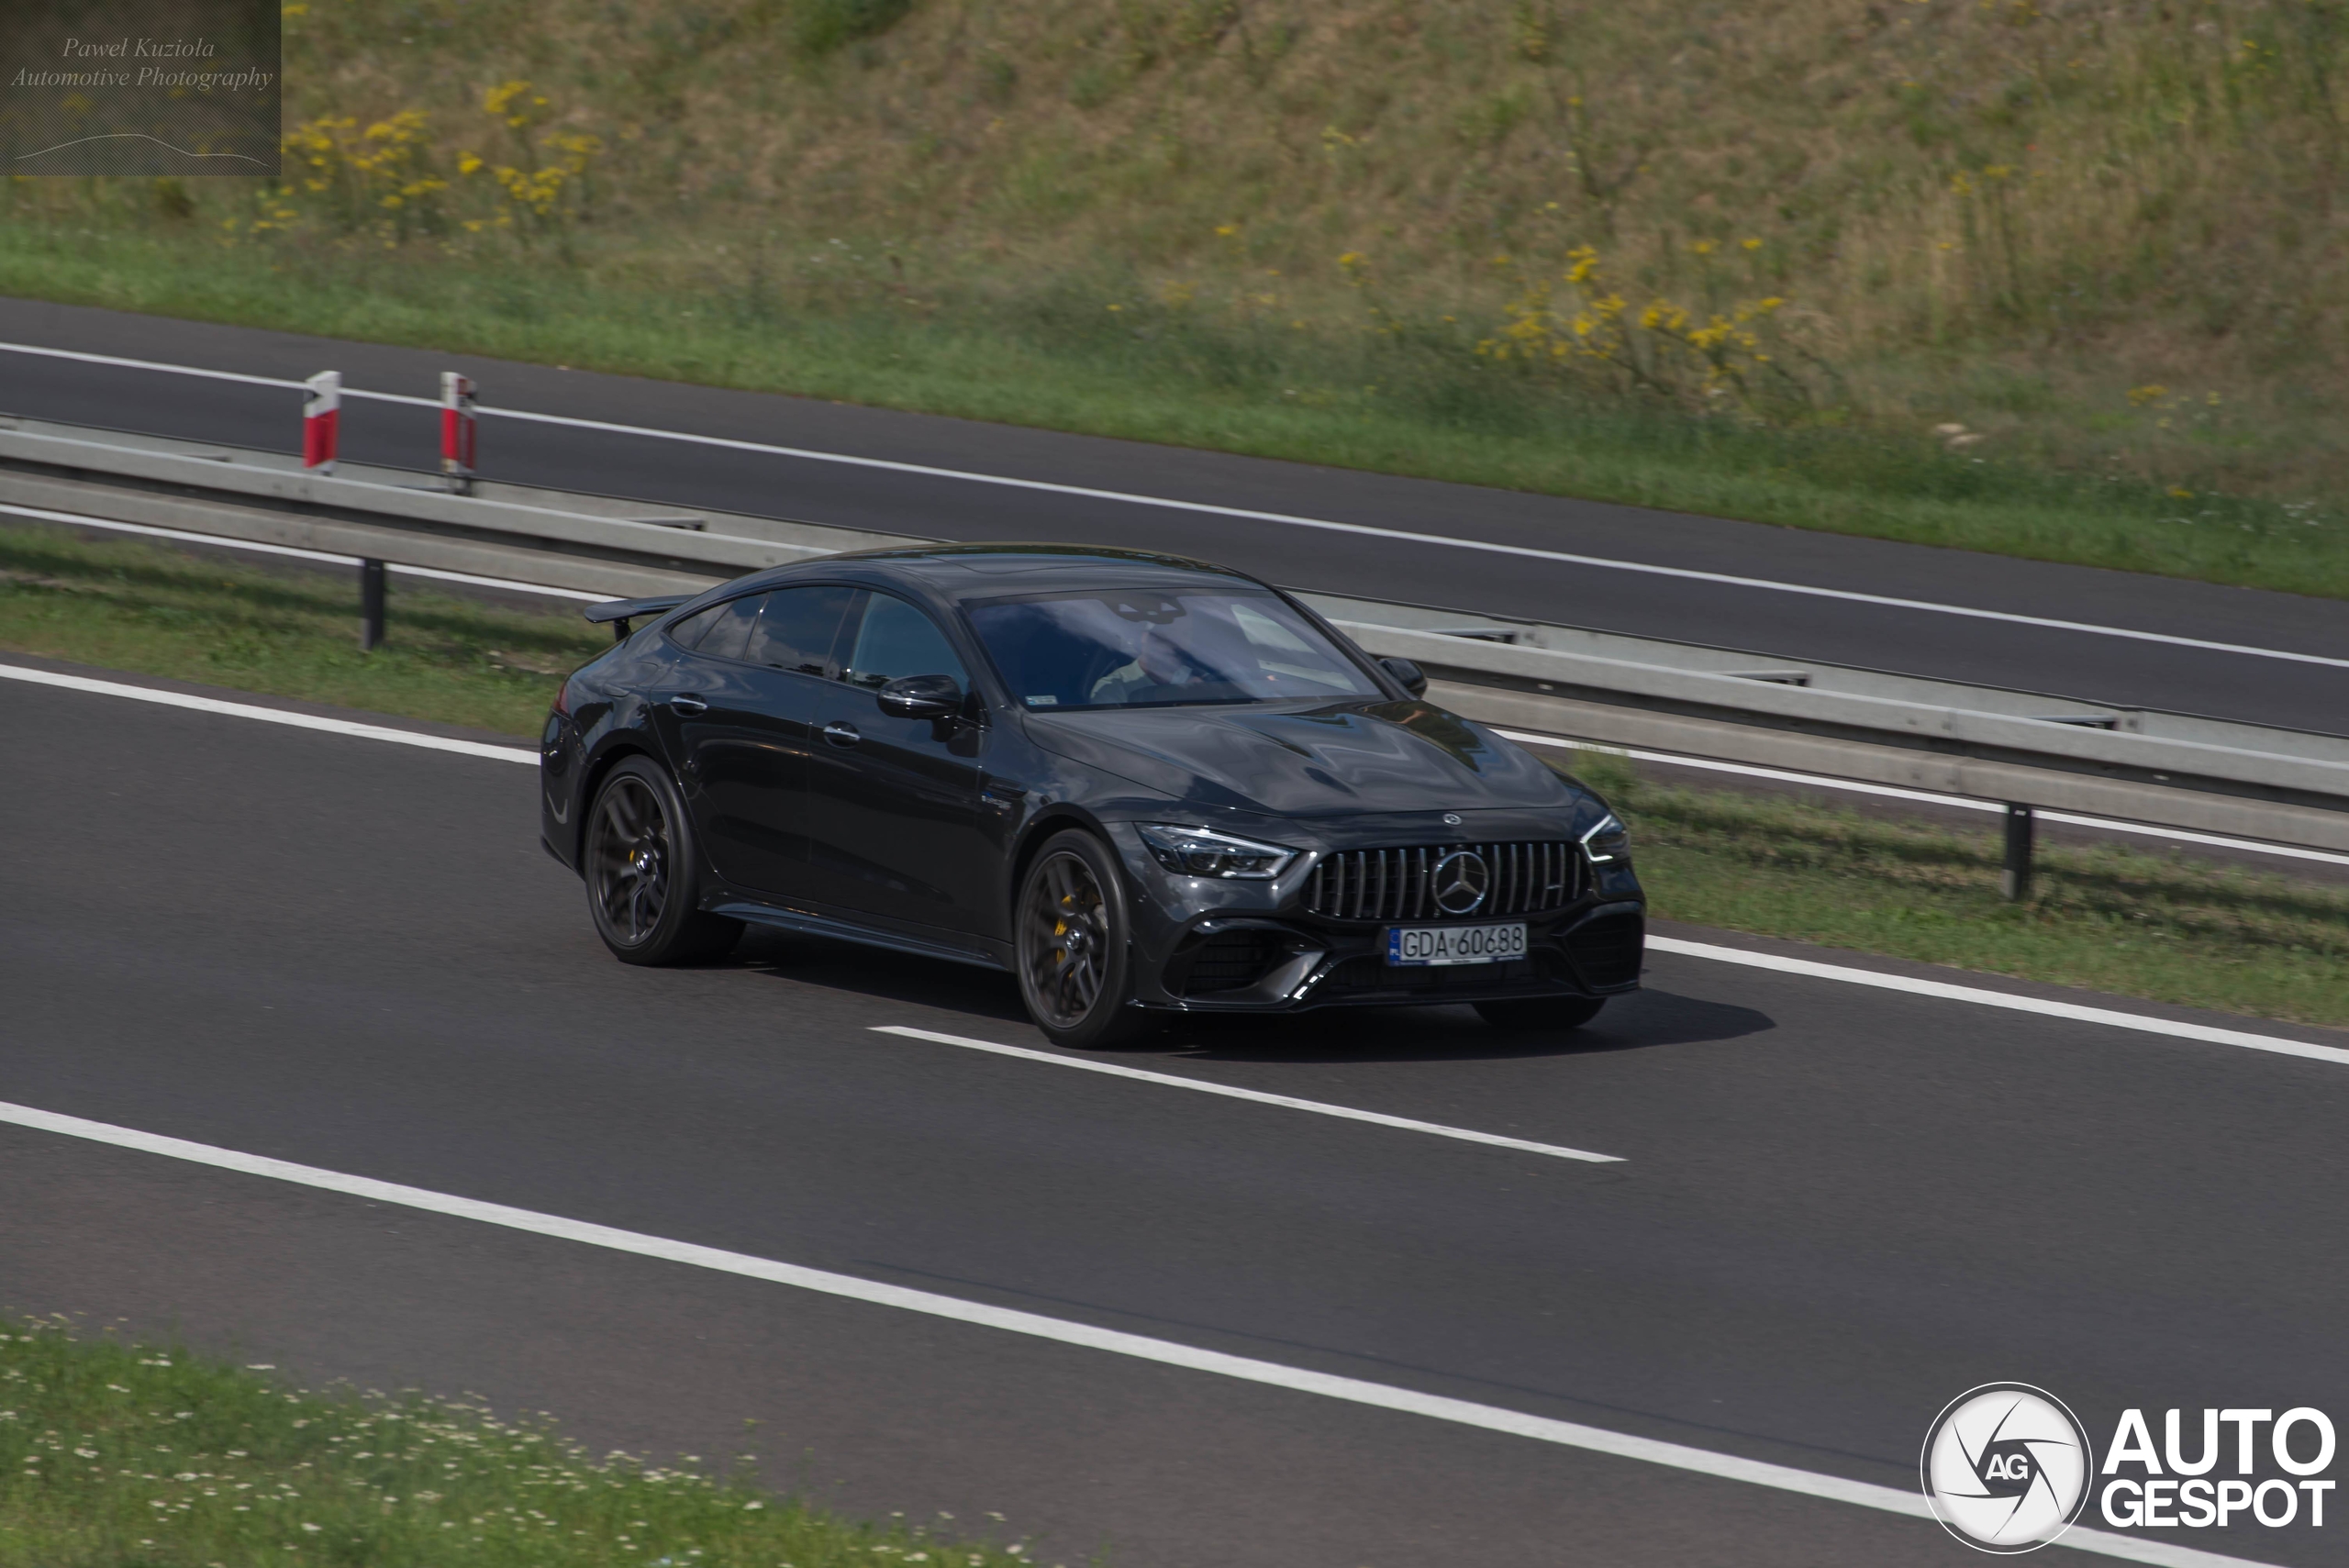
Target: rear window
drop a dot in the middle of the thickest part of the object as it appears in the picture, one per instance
(788, 628)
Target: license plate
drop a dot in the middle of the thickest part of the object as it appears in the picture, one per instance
(1429, 945)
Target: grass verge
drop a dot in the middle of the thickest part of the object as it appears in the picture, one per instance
(1417, 402)
(2106, 917)
(2112, 918)
(135, 606)
(130, 1455)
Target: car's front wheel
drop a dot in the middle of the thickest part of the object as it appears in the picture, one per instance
(641, 885)
(1074, 958)
(1542, 1014)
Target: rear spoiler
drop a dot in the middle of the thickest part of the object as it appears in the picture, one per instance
(619, 612)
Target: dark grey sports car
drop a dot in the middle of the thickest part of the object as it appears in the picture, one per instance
(1145, 786)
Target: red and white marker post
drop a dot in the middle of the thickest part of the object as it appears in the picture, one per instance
(457, 427)
(321, 420)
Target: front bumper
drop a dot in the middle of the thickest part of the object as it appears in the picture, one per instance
(1208, 946)
(1258, 964)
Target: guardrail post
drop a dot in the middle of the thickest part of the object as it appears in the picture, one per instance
(370, 606)
(322, 420)
(2014, 880)
(457, 429)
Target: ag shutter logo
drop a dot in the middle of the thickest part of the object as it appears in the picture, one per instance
(2007, 1467)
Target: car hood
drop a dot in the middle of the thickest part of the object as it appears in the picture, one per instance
(1320, 761)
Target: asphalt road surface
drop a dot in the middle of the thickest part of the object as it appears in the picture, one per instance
(2003, 654)
(1836, 1207)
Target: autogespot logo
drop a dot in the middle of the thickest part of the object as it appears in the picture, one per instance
(2007, 1467)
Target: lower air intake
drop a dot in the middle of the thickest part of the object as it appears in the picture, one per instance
(1230, 961)
(1607, 950)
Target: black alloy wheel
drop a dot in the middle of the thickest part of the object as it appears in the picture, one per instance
(1073, 961)
(641, 885)
(1541, 1014)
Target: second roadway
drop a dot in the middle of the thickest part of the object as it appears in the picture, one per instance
(1377, 564)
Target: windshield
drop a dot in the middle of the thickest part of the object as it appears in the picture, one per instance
(1149, 648)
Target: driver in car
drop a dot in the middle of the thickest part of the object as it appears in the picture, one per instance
(1158, 671)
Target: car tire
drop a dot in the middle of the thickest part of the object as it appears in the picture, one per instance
(1072, 948)
(1543, 1015)
(642, 870)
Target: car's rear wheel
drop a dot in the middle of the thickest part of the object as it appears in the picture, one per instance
(1542, 1014)
(1073, 955)
(641, 881)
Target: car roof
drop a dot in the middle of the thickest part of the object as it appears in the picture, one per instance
(985, 571)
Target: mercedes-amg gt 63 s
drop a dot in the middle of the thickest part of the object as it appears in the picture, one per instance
(1144, 785)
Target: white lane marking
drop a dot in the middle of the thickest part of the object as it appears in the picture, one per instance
(1317, 1107)
(268, 715)
(116, 360)
(1166, 1353)
(262, 548)
(1245, 513)
(1963, 802)
(438, 576)
(1980, 997)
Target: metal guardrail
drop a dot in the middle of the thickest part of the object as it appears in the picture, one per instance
(2028, 750)
(397, 515)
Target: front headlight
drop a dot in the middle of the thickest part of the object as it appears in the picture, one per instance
(1202, 852)
(1607, 840)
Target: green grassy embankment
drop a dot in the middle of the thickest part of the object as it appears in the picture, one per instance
(2124, 920)
(2052, 280)
(137, 1455)
(135, 606)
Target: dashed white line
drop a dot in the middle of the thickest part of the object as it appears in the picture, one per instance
(1245, 513)
(1286, 1102)
(1164, 1352)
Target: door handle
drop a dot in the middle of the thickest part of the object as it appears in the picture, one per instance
(841, 734)
(689, 704)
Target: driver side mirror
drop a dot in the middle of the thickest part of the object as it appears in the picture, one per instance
(920, 696)
(1413, 679)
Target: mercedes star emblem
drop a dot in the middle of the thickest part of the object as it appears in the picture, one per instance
(1461, 882)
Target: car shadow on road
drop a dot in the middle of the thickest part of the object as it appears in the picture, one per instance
(1343, 1034)
(883, 975)
(1636, 1022)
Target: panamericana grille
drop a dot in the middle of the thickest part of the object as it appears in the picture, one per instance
(1398, 884)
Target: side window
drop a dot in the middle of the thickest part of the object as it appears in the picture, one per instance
(688, 632)
(722, 630)
(895, 640)
(799, 628)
